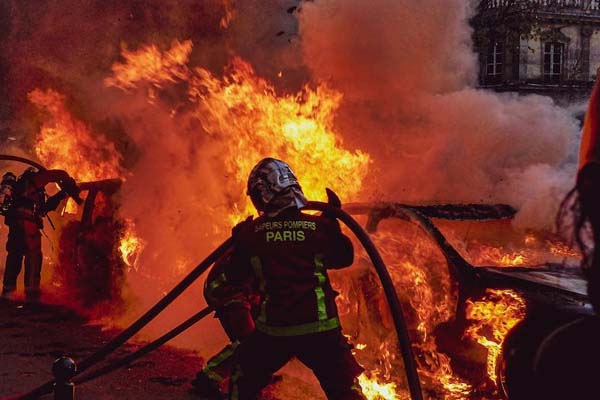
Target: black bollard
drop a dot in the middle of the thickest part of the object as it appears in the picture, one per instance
(64, 368)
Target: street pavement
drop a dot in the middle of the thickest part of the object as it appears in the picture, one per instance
(32, 337)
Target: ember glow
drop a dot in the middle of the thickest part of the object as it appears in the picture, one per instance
(493, 317)
(65, 142)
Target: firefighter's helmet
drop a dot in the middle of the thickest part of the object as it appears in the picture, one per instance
(273, 187)
(30, 171)
(8, 177)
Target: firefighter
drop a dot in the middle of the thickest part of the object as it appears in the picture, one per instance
(28, 205)
(285, 255)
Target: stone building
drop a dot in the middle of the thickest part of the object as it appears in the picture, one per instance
(558, 57)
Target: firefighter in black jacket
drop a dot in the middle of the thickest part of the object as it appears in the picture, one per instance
(28, 204)
(284, 255)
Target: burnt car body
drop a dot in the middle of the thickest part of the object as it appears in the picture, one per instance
(90, 268)
(554, 294)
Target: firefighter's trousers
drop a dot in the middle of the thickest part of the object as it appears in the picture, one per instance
(327, 354)
(24, 244)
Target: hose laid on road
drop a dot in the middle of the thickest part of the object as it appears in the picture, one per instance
(137, 325)
(116, 364)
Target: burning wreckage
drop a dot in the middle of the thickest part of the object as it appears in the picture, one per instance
(506, 302)
(473, 327)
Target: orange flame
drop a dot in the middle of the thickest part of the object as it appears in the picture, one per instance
(151, 65)
(130, 245)
(296, 128)
(373, 389)
(254, 122)
(66, 143)
(229, 14)
(496, 314)
(407, 261)
(531, 251)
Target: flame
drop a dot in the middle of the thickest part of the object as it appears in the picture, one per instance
(499, 257)
(229, 14)
(417, 266)
(151, 65)
(297, 128)
(374, 390)
(493, 317)
(428, 291)
(562, 250)
(531, 251)
(66, 143)
(130, 245)
(71, 207)
(254, 122)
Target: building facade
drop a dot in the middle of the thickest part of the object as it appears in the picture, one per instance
(558, 56)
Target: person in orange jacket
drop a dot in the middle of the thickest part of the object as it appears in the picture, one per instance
(285, 255)
(28, 205)
(562, 363)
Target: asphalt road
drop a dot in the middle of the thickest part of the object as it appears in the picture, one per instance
(31, 338)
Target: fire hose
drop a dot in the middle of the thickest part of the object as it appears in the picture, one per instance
(114, 365)
(7, 157)
(351, 223)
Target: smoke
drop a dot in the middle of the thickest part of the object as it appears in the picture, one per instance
(407, 71)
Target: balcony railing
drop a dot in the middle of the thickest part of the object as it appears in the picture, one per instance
(568, 6)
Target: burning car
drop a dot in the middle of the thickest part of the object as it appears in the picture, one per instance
(477, 313)
(90, 269)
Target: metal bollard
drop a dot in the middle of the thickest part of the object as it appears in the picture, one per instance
(64, 368)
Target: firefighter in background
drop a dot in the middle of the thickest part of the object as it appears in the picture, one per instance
(564, 364)
(285, 254)
(23, 213)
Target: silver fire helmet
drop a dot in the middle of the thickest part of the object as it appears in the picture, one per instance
(273, 187)
(30, 171)
(9, 177)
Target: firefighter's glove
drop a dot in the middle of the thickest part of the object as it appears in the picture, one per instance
(333, 200)
(236, 319)
(70, 187)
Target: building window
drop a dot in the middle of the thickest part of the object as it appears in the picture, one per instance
(553, 60)
(495, 58)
